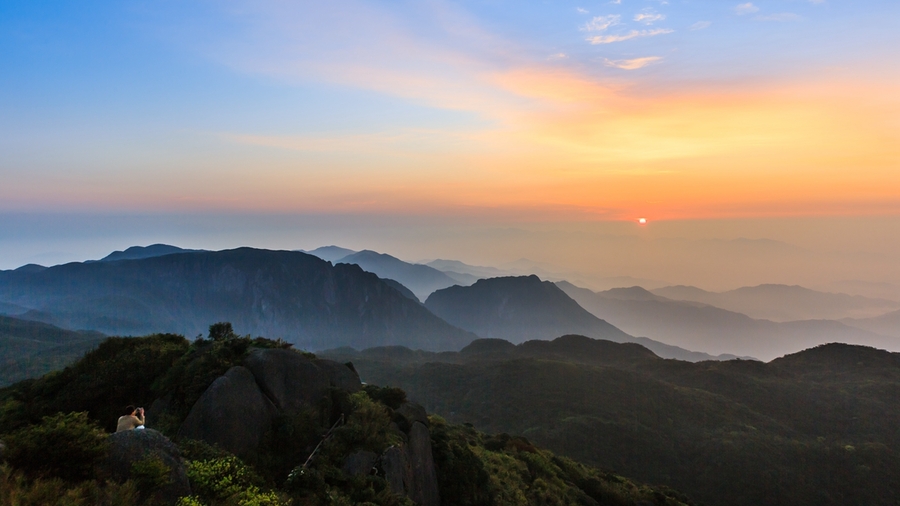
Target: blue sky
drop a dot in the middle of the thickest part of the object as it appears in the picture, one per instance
(497, 112)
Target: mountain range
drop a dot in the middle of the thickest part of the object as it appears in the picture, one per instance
(291, 295)
(698, 326)
(783, 303)
(816, 427)
(523, 308)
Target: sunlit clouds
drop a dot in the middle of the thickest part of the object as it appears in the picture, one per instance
(602, 111)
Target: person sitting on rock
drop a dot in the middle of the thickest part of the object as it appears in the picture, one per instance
(132, 419)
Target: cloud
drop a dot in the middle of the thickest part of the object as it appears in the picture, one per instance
(747, 8)
(633, 64)
(700, 25)
(634, 34)
(649, 16)
(782, 16)
(558, 56)
(581, 10)
(601, 23)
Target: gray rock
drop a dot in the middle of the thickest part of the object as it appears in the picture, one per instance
(423, 490)
(410, 412)
(232, 413)
(128, 447)
(396, 469)
(360, 463)
(292, 381)
(340, 375)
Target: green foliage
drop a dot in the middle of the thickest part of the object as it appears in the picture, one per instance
(17, 490)
(118, 373)
(289, 442)
(66, 446)
(150, 473)
(228, 481)
(391, 397)
(735, 433)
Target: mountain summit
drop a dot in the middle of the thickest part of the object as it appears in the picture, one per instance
(298, 297)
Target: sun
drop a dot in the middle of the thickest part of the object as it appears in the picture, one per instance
(642, 221)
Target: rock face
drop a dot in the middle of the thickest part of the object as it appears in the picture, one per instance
(340, 375)
(409, 468)
(293, 382)
(238, 408)
(423, 489)
(232, 413)
(407, 413)
(128, 447)
(290, 380)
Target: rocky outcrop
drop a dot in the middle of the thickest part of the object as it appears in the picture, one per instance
(409, 468)
(128, 448)
(396, 469)
(407, 413)
(342, 376)
(232, 413)
(293, 382)
(423, 489)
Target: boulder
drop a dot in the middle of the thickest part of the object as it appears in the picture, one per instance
(290, 380)
(232, 413)
(360, 463)
(340, 375)
(396, 469)
(129, 447)
(423, 490)
(407, 413)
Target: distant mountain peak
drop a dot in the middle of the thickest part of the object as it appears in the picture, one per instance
(140, 252)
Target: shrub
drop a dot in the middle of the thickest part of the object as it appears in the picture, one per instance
(118, 373)
(391, 397)
(66, 446)
(229, 481)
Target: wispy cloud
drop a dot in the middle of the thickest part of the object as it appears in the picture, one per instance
(558, 56)
(747, 8)
(649, 16)
(782, 16)
(581, 10)
(634, 34)
(601, 23)
(634, 63)
(700, 25)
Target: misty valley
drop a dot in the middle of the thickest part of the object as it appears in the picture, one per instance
(337, 376)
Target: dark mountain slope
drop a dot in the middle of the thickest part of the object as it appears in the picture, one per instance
(421, 279)
(525, 308)
(699, 326)
(517, 309)
(29, 349)
(812, 428)
(784, 303)
(139, 252)
(291, 295)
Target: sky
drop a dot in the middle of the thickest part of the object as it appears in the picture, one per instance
(485, 131)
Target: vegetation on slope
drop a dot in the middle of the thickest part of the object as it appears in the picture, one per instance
(55, 432)
(816, 427)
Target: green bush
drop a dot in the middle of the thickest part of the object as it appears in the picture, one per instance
(17, 490)
(228, 481)
(66, 446)
(118, 373)
(391, 397)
